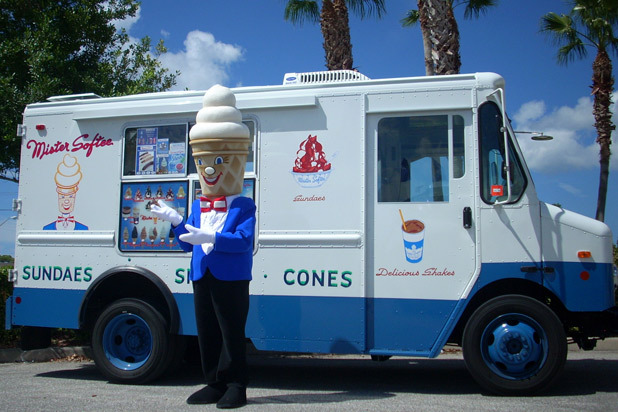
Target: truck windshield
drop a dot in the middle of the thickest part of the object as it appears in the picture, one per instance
(493, 164)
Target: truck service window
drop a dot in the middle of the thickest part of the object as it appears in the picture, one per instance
(250, 166)
(493, 158)
(413, 157)
(155, 150)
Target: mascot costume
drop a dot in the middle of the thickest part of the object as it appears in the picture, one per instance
(220, 233)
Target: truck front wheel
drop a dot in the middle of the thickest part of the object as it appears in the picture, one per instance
(514, 345)
(130, 342)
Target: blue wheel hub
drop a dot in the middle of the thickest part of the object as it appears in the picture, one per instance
(514, 346)
(127, 341)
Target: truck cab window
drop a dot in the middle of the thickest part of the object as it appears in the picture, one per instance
(413, 158)
(493, 159)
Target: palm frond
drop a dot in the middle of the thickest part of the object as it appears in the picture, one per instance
(411, 18)
(475, 8)
(297, 11)
(364, 8)
(571, 51)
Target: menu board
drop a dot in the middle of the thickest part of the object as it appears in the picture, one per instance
(139, 229)
(156, 154)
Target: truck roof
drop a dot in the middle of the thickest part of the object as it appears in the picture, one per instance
(90, 105)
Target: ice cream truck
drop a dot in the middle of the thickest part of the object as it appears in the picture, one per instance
(394, 217)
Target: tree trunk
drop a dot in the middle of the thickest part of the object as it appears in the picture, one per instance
(602, 86)
(335, 26)
(422, 13)
(441, 33)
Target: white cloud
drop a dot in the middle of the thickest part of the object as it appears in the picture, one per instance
(570, 189)
(574, 145)
(204, 61)
(128, 22)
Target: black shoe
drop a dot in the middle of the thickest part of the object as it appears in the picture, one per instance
(235, 397)
(208, 394)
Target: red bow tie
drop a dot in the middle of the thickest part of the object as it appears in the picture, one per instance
(63, 219)
(219, 204)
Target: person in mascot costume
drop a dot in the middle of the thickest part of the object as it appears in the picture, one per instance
(219, 232)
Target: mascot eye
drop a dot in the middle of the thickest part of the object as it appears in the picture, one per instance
(218, 160)
(199, 162)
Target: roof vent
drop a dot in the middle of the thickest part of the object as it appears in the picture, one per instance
(331, 76)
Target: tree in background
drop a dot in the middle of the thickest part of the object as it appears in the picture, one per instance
(441, 33)
(61, 47)
(591, 24)
(334, 23)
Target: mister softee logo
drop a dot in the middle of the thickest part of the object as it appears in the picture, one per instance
(81, 143)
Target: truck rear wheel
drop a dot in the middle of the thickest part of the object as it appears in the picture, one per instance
(514, 345)
(130, 342)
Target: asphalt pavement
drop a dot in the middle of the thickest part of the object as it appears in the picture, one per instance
(291, 383)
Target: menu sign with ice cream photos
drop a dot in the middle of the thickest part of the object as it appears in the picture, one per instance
(157, 155)
(139, 230)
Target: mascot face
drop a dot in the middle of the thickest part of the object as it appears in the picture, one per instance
(216, 174)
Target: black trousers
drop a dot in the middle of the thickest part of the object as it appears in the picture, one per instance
(221, 309)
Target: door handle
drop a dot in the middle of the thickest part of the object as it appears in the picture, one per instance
(467, 217)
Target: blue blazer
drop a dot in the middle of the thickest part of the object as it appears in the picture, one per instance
(232, 256)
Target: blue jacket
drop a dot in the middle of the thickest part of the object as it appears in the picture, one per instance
(232, 256)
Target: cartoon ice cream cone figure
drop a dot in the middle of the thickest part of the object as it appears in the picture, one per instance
(220, 144)
(219, 232)
(67, 177)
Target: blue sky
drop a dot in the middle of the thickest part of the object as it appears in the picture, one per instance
(248, 43)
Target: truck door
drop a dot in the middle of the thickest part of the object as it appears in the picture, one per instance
(422, 234)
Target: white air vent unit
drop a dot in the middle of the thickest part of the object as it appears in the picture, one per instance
(331, 76)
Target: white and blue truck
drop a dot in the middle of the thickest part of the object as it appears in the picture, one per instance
(394, 216)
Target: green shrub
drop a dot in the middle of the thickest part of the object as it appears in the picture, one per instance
(8, 338)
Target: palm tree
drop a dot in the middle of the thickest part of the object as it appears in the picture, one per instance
(440, 31)
(334, 23)
(591, 24)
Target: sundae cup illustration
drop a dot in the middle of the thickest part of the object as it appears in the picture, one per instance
(310, 167)
(67, 177)
(220, 143)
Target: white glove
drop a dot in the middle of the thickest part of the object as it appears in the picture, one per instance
(164, 212)
(198, 236)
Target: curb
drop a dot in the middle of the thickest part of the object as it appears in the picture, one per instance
(44, 355)
(85, 352)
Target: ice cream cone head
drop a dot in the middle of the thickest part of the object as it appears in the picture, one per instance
(220, 143)
(67, 178)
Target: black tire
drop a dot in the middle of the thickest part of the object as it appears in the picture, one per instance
(514, 345)
(130, 342)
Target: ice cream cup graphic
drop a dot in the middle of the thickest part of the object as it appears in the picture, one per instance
(220, 143)
(413, 232)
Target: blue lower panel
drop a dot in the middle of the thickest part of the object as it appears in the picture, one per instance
(53, 308)
(307, 324)
(347, 325)
(186, 310)
(284, 323)
(407, 326)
